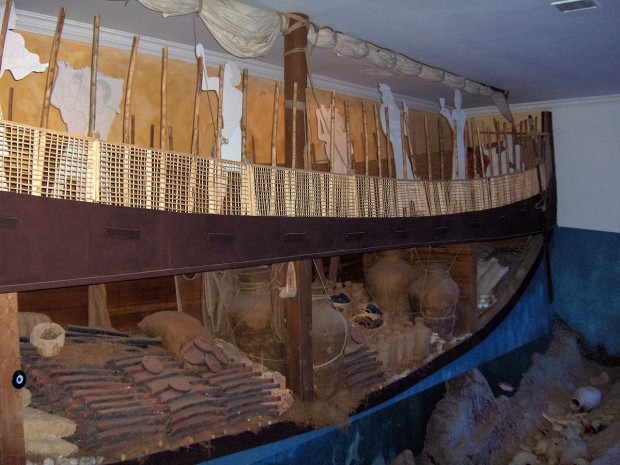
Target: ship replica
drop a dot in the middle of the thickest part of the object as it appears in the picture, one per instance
(119, 212)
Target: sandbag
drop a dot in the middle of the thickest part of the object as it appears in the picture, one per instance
(177, 330)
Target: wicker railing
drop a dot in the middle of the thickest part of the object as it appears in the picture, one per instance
(53, 164)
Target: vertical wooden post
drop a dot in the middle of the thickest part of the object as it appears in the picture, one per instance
(12, 448)
(295, 71)
(51, 69)
(298, 341)
(93, 80)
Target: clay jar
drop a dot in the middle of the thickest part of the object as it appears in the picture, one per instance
(434, 295)
(422, 339)
(388, 282)
(250, 316)
(329, 334)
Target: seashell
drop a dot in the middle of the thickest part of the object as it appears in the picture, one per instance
(585, 399)
(506, 387)
(524, 458)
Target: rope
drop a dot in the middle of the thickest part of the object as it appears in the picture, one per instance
(300, 22)
(206, 80)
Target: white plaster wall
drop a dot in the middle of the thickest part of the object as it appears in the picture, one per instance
(587, 154)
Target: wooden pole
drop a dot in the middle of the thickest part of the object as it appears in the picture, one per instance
(365, 133)
(440, 140)
(10, 109)
(5, 27)
(298, 340)
(163, 111)
(93, 79)
(410, 142)
(274, 126)
(12, 447)
(220, 110)
(294, 129)
(51, 69)
(295, 71)
(403, 143)
(376, 113)
(347, 118)
(307, 156)
(196, 117)
(332, 131)
(244, 118)
(429, 170)
(298, 336)
(389, 150)
(128, 86)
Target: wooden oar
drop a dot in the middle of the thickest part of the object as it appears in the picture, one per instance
(440, 140)
(308, 131)
(347, 118)
(128, 86)
(244, 117)
(389, 150)
(51, 69)
(5, 27)
(378, 141)
(10, 109)
(164, 100)
(365, 136)
(93, 78)
(220, 110)
(332, 131)
(403, 142)
(428, 149)
(410, 142)
(274, 127)
(196, 117)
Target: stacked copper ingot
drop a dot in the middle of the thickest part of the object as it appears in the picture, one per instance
(144, 398)
(361, 367)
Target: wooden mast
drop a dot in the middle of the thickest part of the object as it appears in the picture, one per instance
(298, 342)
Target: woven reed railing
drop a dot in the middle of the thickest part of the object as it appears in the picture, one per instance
(54, 164)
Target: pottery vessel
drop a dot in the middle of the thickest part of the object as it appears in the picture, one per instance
(422, 339)
(48, 338)
(585, 399)
(388, 282)
(434, 296)
(250, 316)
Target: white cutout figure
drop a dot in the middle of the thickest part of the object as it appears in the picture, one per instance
(458, 116)
(71, 96)
(16, 58)
(233, 105)
(324, 117)
(395, 130)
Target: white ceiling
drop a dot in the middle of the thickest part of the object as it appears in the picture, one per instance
(526, 47)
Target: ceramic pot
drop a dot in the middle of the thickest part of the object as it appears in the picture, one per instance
(434, 296)
(250, 316)
(422, 339)
(388, 282)
(329, 336)
(585, 399)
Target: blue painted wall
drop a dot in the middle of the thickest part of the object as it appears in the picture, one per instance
(586, 275)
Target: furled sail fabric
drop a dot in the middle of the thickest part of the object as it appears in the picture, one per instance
(248, 32)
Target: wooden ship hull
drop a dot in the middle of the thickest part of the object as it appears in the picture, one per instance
(78, 211)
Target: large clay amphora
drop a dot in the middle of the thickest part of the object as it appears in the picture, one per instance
(388, 282)
(434, 296)
(329, 335)
(250, 315)
(422, 340)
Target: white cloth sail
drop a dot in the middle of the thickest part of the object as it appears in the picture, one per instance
(248, 32)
